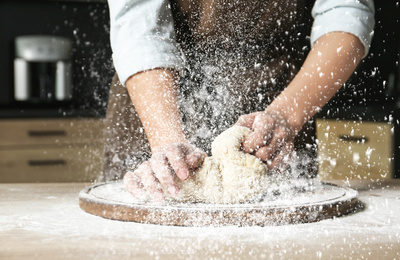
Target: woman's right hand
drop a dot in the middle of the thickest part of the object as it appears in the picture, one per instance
(157, 174)
(272, 140)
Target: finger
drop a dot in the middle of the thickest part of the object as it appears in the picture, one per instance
(277, 142)
(246, 120)
(159, 165)
(264, 153)
(146, 175)
(195, 159)
(176, 157)
(282, 160)
(263, 131)
(132, 185)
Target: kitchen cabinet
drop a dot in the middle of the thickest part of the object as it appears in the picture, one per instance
(352, 150)
(50, 150)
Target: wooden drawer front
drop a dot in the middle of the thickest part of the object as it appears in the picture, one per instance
(354, 150)
(50, 131)
(51, 164)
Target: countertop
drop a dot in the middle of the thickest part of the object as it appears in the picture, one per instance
(44, 221)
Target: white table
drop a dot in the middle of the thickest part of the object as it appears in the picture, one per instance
(44, 221)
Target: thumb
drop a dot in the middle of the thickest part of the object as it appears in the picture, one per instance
(195, 158)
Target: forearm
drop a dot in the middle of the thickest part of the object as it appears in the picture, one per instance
(154, 94)
(327, 67)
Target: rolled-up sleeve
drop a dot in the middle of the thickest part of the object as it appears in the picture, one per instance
(351, 16)
(142, 37)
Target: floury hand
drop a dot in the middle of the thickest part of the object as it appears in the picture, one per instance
(271, 140)
(157, 174)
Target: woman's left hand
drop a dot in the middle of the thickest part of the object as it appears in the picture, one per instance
(272, 138)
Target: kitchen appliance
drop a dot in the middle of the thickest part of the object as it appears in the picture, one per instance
(42, 69)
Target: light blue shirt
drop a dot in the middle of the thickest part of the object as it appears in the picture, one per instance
(143, 36)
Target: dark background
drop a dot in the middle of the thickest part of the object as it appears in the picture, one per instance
(372, 92)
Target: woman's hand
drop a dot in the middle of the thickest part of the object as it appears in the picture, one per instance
(154, 94)
(329, 64)
(271, 140)
(157, 174)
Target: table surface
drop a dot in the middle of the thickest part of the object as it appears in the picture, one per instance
(44, 221)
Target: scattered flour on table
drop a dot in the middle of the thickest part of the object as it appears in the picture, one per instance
(51, 217)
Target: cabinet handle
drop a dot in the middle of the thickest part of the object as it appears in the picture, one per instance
(46, 162)
(43, 133)
(355, 139)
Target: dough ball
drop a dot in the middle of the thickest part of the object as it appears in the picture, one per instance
(229, 175)
(205, 185)
(244, 176)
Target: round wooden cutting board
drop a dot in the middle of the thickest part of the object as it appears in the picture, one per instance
(311, 203)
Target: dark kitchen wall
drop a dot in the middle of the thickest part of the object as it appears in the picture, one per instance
(86, 23)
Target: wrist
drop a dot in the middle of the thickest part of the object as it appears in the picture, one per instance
(293, 119)
(161, 139)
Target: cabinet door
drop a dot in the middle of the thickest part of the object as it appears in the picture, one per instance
(51, 164)
(354, 150)
(50, 131)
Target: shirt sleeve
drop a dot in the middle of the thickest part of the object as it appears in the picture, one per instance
(142, 37)
(351, 16)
